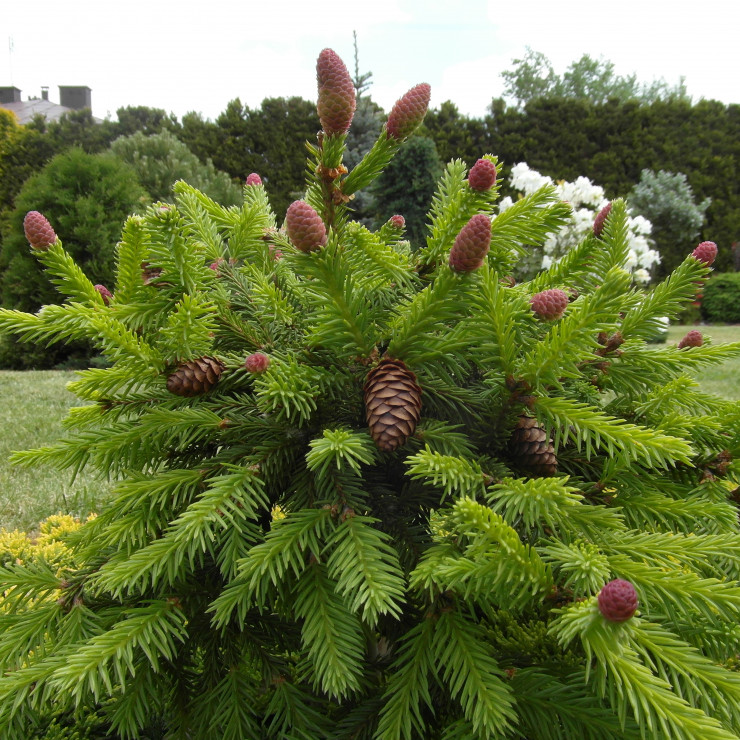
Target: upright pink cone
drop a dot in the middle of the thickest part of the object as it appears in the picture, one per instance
(705, 252)
(38, 230)
(304, 226)
(471, 245)
(618, 600)
(549, 304)
(408, 112)
(482, 175)
(336, 103)
(601, 218)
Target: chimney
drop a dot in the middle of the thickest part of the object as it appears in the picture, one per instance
(76, 97)
(44, 92)
(10, 95)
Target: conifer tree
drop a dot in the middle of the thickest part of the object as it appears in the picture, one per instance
(365, 493)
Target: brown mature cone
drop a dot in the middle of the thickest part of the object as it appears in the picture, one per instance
(531, 449)
(392, 403)
(195, 377)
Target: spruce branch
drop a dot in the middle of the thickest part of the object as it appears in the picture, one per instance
(681, 594)
(452, 474)
(130, 253)
(619, 674)
(667, 299)
(489, 561)
(330, 633)
(366, 569)
(339, 447)
(538, 504)
(528, 221)
(108, 658)
(402, 717)
(472, 676)
(286, 550)
(590, 430)
(68, 278)
(572, 340)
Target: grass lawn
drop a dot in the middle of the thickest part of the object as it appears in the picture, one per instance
(722, 380)
(33, 405)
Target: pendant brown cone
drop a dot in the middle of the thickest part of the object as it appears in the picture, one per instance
(195, 377)
(531, 448)
(392, 404)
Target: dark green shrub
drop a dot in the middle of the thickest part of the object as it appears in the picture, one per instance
(86, 197)
(407, 185)
(721, 303)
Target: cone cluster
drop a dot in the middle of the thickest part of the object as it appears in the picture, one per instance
(336, 101)
(618, 600)
(392, 404)
(471, 245)
(304, 226)
(38, 230)
(195, 377)
(531, 448)
(601, 218)
(482, 175)
(705, 252)
(408, 112)
(549, 304)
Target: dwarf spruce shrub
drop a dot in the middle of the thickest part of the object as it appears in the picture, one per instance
(363, 493)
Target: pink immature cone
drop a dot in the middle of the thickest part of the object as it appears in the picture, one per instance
(549, 304)
(601, 218)
(38, 230)
(408, 112)
(257, 362)
(105, 294)
(397, 222)
(694, 338)
(705, 252)
(471, 245)
(482, 175)
(618, 600)
(254, 179)
(304, 226)
(336, 103)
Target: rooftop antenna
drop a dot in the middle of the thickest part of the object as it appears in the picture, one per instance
(10, 56)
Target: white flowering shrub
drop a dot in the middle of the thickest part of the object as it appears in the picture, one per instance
(586, 200)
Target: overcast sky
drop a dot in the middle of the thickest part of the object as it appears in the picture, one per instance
(197, 56)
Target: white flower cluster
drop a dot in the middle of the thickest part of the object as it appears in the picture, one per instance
(586, 200)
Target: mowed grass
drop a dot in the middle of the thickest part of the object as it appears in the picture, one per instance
(33, 405)
(721, 380)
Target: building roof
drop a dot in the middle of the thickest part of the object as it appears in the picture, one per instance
(25, 110)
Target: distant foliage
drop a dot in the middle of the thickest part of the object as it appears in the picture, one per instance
(244, 140)
(159, 160)
(667, 201)
(595, 80)
(407, 185)
(721, 302)
(87, 197)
